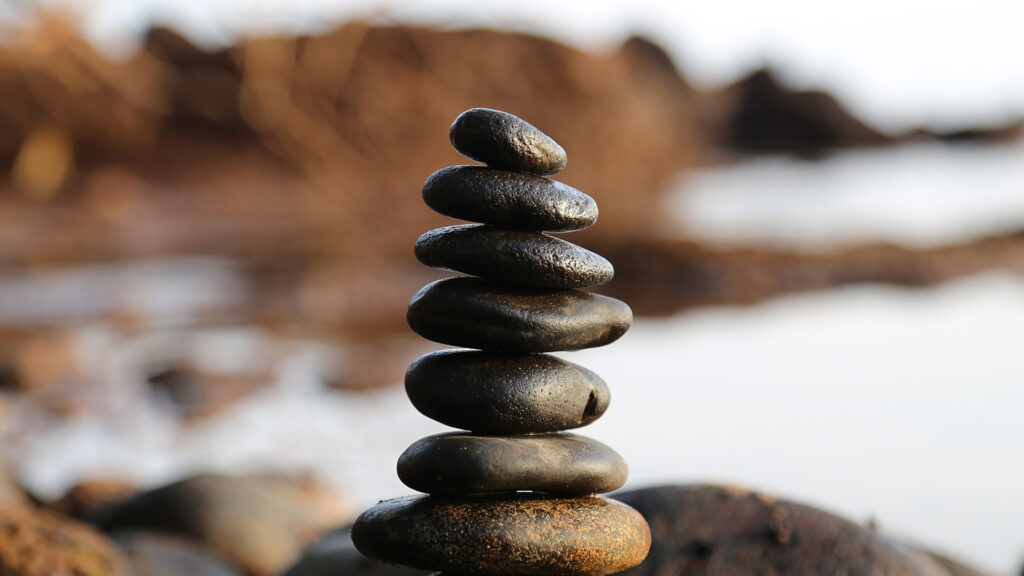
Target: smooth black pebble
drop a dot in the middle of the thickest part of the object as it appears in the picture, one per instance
(477, 313)
(493, 393)
(508, 199)
(463, 463)
(514, 256)
(503, 140)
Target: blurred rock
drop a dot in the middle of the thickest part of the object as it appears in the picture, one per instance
(262, 523)
(35, 542)
(155, 554)
(11, 492)
(698, 530)
(89, 499)
(335, 554)
(195, 393)
(767, 117)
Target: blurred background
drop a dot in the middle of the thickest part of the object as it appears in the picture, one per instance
(816, 211)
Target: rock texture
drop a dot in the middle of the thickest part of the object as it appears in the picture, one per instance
(503, 535)
(39, 543)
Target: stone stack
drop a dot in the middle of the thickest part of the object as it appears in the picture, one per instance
(514, 494)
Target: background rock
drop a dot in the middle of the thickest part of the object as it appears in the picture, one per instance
(154, 554)
(721, 531)
(261, 523)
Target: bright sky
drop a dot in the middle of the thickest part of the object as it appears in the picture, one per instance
(898, 63)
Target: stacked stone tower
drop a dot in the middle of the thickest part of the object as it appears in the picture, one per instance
(514, 494)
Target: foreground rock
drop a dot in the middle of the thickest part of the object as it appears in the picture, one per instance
(513, 256)
(704, 530)
(503, 140)
(508, 199)
(502, 394)
(35, 542)
(475, 313)
(260, 523)
(460, 463)
(527, 535)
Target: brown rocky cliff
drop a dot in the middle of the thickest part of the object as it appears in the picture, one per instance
(316, 144)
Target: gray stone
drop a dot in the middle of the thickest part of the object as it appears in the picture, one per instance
(261, 523)
(502, 140)
(476, 313)
(462, 463)
(157, 554)
(508, 199)
(699, 530)
(501, 394)
(514, 256)
(510, 535)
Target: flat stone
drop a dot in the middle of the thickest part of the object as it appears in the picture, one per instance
(502, 140)
(510, 535)
(476, 313)
(515, 256)
(508, 199)
(462, 463)
(500, 394)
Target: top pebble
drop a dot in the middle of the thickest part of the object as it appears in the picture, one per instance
(504, 141)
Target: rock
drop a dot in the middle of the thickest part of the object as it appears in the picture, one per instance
(335, 555)
(508, 199)
(155, 554)
(502, 140)
(508, 535)
(699, 530)
(499, 394)
(11, 492)
(36, 542)
(459, 463)
(261, 523)
(475, 313)
(88, 500)
(513, 256)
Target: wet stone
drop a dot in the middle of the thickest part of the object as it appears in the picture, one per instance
(513, 256)
(502, 140)
(509, 535)
(461, 463)
(501, 394)
(508, 199)
(476, 313)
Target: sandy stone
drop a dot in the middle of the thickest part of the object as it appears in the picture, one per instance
(513, 535)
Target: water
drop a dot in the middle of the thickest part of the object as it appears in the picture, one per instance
(918, 195)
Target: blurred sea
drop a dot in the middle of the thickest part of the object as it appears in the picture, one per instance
(898, 405)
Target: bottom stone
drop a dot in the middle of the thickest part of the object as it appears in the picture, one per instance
(506, 535)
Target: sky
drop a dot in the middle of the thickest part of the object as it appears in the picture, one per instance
(897, 63)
